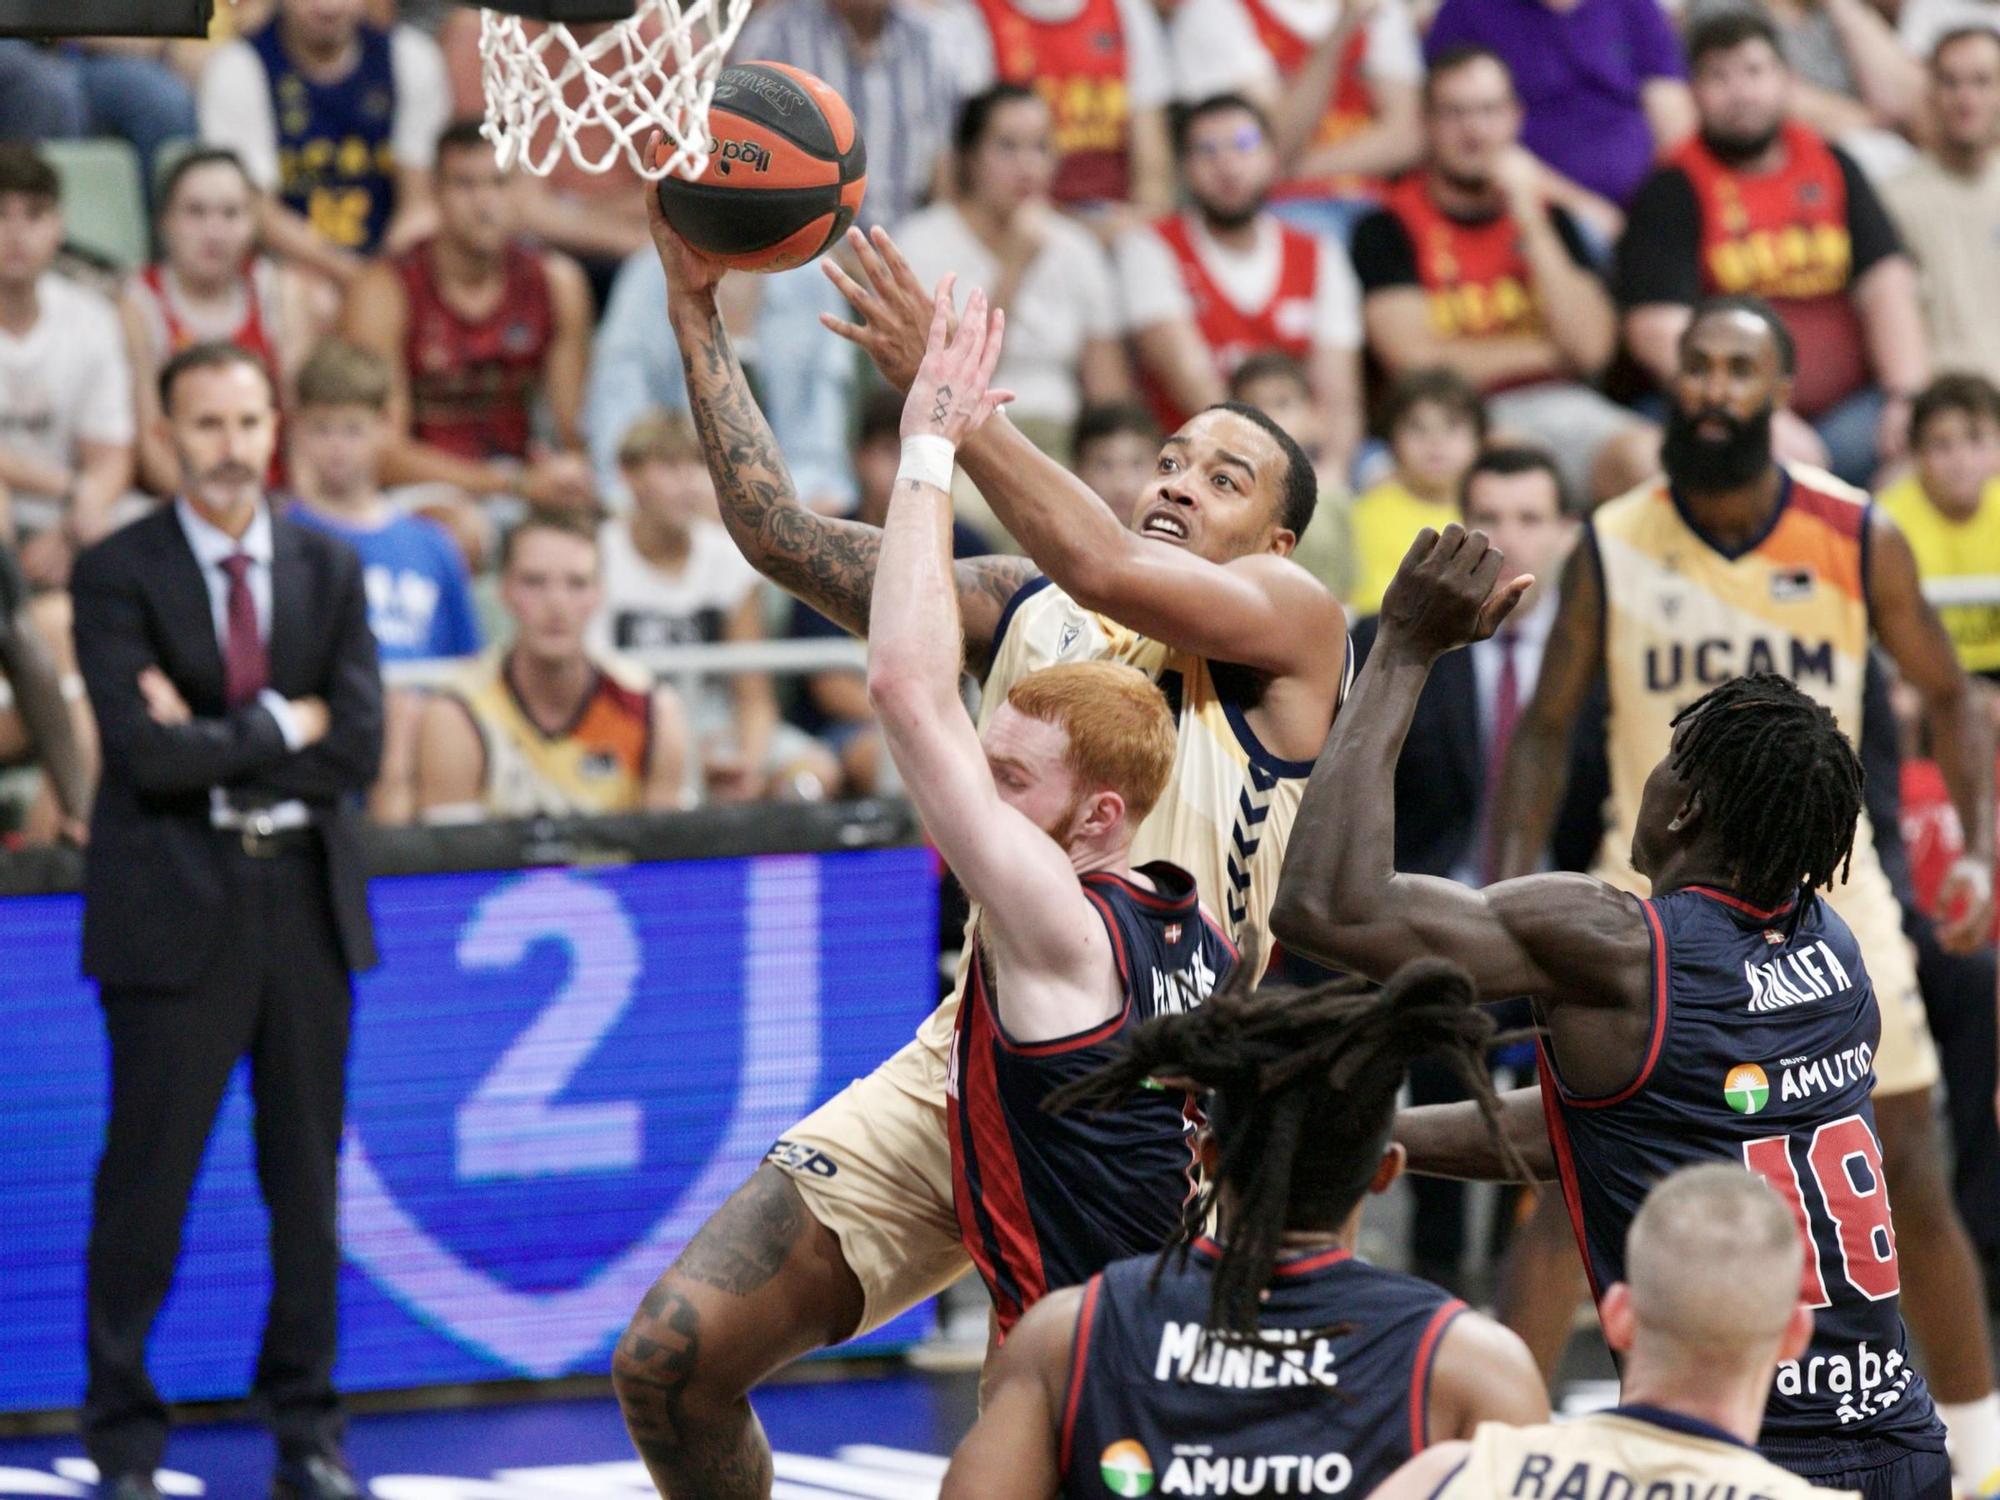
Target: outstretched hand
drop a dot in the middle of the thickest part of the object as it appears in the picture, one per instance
(952, 393)
(1447, 592)
(894, 308)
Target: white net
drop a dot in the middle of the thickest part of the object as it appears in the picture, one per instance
(594, 93)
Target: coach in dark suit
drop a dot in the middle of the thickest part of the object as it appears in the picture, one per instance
(1458, 738)
(230, 665)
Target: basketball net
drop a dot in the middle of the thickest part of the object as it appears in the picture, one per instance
(594, 93)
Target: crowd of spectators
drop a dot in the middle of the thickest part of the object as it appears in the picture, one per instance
(1413, 232)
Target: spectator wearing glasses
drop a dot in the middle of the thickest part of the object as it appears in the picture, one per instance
(1226, 280)
(1339, 83)
(1602, 87)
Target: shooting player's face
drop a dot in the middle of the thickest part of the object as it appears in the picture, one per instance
(1216, 490)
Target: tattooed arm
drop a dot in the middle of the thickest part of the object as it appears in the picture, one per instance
(827, 562)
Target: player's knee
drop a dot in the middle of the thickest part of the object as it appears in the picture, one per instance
(660, 1371)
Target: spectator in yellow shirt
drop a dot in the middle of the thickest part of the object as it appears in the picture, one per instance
(1949, 508)
(1435, 423)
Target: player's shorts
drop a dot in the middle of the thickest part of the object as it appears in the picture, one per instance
(1906, 1060)
(873, 1165)
(1874, 1467)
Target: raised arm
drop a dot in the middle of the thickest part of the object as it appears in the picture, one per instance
(1529, 795)
(1341, 900)
(1013, 1451)
(1961, 733)
(829, 563)
(1263, 611)
(1036, 915)
(1451, 1140)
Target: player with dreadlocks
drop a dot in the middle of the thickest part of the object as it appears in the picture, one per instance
(1270, 1362)
(1729, 1017)
(1733, 563)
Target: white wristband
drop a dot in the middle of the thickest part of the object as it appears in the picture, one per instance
(928, 459)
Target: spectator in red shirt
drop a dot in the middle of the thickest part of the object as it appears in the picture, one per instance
(478, 325)
(1471, 267)
(1760, 204)
(1340, 84)
(1226, 280)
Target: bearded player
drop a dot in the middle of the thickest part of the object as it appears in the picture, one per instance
(851, 1219)
(1734, 563)
(1662, 1014)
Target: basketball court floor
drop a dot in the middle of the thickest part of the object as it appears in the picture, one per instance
(873, 1434)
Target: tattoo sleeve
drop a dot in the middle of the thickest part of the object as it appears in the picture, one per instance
(828, 563)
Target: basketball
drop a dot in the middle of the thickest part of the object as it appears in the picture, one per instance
(786, 171)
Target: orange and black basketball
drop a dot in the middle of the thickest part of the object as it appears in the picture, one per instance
(786, 171)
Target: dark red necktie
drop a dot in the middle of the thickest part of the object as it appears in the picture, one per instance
(245, 667)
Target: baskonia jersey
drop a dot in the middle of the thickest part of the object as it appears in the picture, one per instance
(1763, 1037)
(473, 383)
(595, 764)
(1285, 323)
(336, 158)
(1078, 66)
(1330, 1399)
(1474, 275)
(1633, 1451)
(1046, 1200)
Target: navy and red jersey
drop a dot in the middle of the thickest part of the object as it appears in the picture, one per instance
(1045, 1201)
(1331, 1398)
(473, 382)
(1762, 1052)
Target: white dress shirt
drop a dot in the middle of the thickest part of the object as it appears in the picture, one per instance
(211, 545)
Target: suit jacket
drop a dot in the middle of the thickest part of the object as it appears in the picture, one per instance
(1441, 774)
(155, 892)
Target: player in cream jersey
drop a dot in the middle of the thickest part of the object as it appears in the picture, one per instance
(1732, 565)
(1712, 1305)
(851, 1217)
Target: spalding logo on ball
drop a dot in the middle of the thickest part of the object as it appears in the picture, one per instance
(786, 171)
